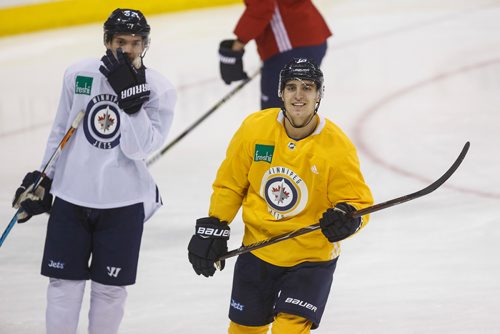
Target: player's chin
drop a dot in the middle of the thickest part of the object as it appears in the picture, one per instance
(137, 62)
(298, 121)
(298, 113)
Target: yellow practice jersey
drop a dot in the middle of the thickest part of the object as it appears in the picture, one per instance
(284, 184)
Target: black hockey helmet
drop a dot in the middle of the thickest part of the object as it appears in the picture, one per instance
(126, 21)
(302, 69)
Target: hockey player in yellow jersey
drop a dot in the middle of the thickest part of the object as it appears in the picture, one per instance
(287, 168)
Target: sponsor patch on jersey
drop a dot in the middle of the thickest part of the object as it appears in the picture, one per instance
(263, 153)
(83, 85)
(101, 124)
(284, 192)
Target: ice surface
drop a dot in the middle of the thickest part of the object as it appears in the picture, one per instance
(409, 81)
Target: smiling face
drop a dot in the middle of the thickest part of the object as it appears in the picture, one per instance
(300, 98)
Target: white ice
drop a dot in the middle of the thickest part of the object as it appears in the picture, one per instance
(409, 81)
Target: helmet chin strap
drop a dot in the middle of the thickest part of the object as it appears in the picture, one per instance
(292, 123)
(312, 116)
(143, 54)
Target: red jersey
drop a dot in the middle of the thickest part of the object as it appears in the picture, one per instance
(281, 25)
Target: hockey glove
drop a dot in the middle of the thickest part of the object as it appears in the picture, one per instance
(337, 223)
(231, 62)
(207, 244)
(32, 203)
(128, 82)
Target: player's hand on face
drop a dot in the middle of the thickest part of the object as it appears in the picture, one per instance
(128, 82)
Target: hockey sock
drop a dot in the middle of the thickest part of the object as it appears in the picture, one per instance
(64, 300)
(287, 323)
(107, 304)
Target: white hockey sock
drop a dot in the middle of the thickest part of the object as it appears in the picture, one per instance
(107, 304)
(64, 300)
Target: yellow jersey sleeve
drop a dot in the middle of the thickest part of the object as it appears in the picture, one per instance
(231, 182)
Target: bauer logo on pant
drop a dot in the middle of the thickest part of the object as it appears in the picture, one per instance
(301, 303)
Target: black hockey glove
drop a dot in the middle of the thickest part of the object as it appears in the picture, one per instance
(32, 203)
(128, 82)
(207, 244)
(337, 224)
(231, 62)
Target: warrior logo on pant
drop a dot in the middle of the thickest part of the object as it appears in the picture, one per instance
(113, 271)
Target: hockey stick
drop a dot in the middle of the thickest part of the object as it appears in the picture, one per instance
(226, 97)
(377, 207)
(54, 156)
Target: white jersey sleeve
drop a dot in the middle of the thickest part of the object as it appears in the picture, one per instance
(142, 132)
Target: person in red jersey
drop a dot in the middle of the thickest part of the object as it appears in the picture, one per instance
(282, 30)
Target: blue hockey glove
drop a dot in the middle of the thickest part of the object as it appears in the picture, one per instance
(207, 244)
(231, 62)
(32, 203)
(128, 82)
(337, 223)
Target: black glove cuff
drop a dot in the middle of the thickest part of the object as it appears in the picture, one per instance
(212, 228)
(46, 183)
(226, 51)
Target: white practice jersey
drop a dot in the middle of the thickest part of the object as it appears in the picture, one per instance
(103, 165)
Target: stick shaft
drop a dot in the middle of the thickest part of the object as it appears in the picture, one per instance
(226, 97)
(377, 207)
(54, 156)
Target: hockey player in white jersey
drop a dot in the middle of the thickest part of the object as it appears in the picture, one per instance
(103, 192)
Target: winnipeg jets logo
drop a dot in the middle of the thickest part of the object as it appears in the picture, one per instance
(101, 124)
(106, 121)
(284, 192)
(280, 194)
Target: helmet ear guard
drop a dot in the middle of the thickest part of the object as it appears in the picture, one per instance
(301, 69)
